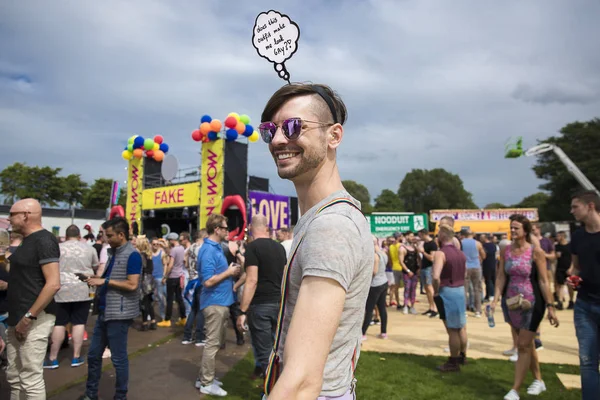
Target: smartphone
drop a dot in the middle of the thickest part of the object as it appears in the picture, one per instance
(82, 277)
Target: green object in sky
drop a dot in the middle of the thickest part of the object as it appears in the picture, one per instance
(514, 150)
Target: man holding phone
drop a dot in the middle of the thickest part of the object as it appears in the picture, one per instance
(216, 297)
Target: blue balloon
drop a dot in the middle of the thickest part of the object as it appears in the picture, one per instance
(212, 135)
(164, 147)
(205, 118)
(138, 142)
(249, 130)
(231, 134)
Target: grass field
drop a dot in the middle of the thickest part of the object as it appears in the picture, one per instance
(410, 377)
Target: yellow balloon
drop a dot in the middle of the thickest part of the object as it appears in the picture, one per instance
(254, 137)
(126, 155)
(234, 115)
(156, 146)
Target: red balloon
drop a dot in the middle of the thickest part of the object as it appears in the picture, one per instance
(150, 153)
(197, 135)
(158, 139)
(231, 122)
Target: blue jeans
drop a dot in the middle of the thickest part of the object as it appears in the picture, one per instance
(196, 316)
(114, 335)
(262, 322)
(587, 329)
(160, 296)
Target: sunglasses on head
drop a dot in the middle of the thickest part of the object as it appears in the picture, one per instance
(291, 128)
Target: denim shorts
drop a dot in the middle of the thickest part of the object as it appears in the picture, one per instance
(426, 276)
(454, 308)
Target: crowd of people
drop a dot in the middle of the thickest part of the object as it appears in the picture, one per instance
(304, 297)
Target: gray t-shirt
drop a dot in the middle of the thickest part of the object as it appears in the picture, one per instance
(75, 257)
(380, 278)
(337, 244)
(177, 252)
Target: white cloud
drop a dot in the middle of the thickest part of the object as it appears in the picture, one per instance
(427, 84)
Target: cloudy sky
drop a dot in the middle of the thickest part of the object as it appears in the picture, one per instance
(427, 84)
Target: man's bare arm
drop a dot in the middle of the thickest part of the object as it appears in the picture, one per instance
(250, 287)
(51, 273)
(3, 285)
(309, 339)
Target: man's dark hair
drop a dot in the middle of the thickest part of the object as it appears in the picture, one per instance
(213, 222)
(72, 232)
(200, 234)
(423, 232)
(587, 197)
(118, 225)
(330, 107)
(408, 233)
(184, 235)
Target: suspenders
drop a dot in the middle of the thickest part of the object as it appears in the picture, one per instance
(274, 368)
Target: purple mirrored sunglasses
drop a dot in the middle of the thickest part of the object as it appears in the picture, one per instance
(291, 128)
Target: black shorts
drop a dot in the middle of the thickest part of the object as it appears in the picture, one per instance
(76, 313)
(561, 276)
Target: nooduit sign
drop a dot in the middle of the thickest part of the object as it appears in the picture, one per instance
(386, 224)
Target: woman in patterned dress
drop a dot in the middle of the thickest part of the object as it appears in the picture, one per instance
(523, 273)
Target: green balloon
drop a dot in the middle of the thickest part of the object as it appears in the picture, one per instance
(149, 144)
(130, 147)
(131, 139)
(245, 119)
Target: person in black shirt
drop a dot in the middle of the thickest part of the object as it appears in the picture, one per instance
(233, 254)
(585, 256)
(489, 266)
(264, 264)
(563, 264)
(34, 280)
(429, 247)
(3, 311)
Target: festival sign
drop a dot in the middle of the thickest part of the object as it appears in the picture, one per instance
(211, 189)
(501, 214)
(275, 37)
(135, 177)
(275, 207)
(386, 224)
(186, 195)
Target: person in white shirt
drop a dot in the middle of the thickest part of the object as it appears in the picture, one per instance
(285, 236)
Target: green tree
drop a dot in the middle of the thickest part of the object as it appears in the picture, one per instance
(538, 200)
(424, 190)
(581, 142)
(360, 193)
(43, 184)
(492, 206)
(388, 201)
(98, 196)
(74, 189)
(12, 178)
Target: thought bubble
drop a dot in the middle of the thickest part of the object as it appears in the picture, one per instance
(275, 37)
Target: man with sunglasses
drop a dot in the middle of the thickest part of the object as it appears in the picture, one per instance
(34, 280)
(331, 263)
(215, 298)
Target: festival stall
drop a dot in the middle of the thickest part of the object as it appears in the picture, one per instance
(483, 221)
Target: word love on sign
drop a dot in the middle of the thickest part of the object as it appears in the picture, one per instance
(171, 196)
(275, 207)
(275, 38)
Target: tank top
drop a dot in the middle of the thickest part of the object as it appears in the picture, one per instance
(157, 271)
(469, 247)
(411, 259)
(380, 278)
(454, 270)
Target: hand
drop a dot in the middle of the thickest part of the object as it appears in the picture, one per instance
(22, 329)
(96, 281)
(234, 269)
(552, 317)
(410, 274)
(493, 306)
(164, 280)
(2, 345)
(241, 323)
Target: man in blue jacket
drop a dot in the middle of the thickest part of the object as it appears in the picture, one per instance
(216, 297)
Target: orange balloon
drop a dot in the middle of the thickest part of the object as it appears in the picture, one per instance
(159, 155)
(138, 153)
(240, 128)
(216, 125)
(204, 128)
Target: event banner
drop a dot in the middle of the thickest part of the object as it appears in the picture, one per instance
(186, 195)
(135, 177)
(484, 215)
(273, 206)
(211, 188)
(386, 224)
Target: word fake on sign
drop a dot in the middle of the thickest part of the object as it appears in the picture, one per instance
(169, 196)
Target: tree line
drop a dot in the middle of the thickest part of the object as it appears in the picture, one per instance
(19, 181)
(423, 190)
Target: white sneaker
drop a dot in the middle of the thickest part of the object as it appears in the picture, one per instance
(413, 310)
(512, 395)
(186, 342)
(514, 358)
(213, 390)
(536, 388)
(510, 352)
(215, 382)
(477, 315)
(405, 310)
(200, 344)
